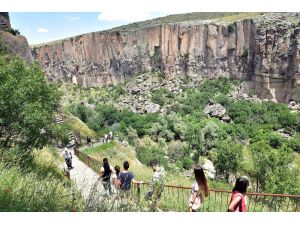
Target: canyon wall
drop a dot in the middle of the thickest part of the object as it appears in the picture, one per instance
(265, 52)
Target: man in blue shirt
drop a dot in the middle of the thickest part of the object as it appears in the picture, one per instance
(127, 177)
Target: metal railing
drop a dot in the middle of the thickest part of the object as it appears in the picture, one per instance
(89, 161)
(175, 198)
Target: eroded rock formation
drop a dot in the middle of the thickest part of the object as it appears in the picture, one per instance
(264, 51)
(16, 43)
(4, 21)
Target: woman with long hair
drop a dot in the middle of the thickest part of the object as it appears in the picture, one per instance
(238, 200)
(200, 189)
(105, 173)
(115, 178)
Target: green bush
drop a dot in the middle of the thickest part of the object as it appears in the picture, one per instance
(228, 157)
(187, 163)
(14, 32)
(294, 143)
(27, 105)
(91, 100)
(245, 53)
(231, 28)
(145, 154)
(36, 184)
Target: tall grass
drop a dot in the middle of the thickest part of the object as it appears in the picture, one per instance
(38, 186)
(118, 153)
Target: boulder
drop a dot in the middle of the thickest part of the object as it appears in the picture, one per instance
(124, 143)
(152, 108)
(209, 168)
(226, 119)
(215, 110)
(134, 89)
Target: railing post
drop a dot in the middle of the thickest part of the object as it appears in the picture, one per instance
(138, 193)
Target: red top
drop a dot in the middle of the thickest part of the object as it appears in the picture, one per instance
(241, 206)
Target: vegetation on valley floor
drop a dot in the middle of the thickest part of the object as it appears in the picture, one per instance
(185, 135)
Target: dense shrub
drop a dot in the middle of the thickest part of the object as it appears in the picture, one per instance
(272, 169)
(38, 185)
(228, 157)
(27, 105)
(145, 154)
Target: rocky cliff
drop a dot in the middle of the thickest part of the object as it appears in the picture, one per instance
(4, 21)
(264, 51)
(18, 44)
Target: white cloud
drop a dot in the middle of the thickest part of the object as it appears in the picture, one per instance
(73, 18)
(124, 16)
(42, 30)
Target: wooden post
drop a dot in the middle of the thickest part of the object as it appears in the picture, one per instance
(138, 193)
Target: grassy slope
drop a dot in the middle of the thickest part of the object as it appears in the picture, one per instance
(187, 17)
(40, 186)
(117, 154)
(78, 125)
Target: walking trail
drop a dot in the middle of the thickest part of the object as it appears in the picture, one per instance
(85, 179)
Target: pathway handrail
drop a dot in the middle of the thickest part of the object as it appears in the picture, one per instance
(227, 191)
(94, 164)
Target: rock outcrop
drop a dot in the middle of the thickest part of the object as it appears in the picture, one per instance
(4, 21)
(263, 51)
(16, 43)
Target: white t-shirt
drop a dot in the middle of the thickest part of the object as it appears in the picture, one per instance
(67, 155)
(195, 187)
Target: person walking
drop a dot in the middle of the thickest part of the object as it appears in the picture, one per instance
(88, 141)
(110, 136)
(116, 178)
(68, 158)
(238, 202)
(105, 173)
(156, 186)
(126, 178)
(105, 140)
(200, 189)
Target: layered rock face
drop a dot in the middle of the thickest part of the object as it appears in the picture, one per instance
(264, 51)
(4, 21)
(17, 44)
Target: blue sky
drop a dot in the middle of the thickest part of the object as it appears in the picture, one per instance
(45, 27)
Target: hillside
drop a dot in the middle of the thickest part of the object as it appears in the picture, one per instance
(223, 94)
(212, 121)
(260, 49)
(194, 17)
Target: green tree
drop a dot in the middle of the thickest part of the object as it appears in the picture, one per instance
(284, 176)
(210, 135)
(260, 152)
(196, 141)
(27, 104)
(228, 157)
(273, 169)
